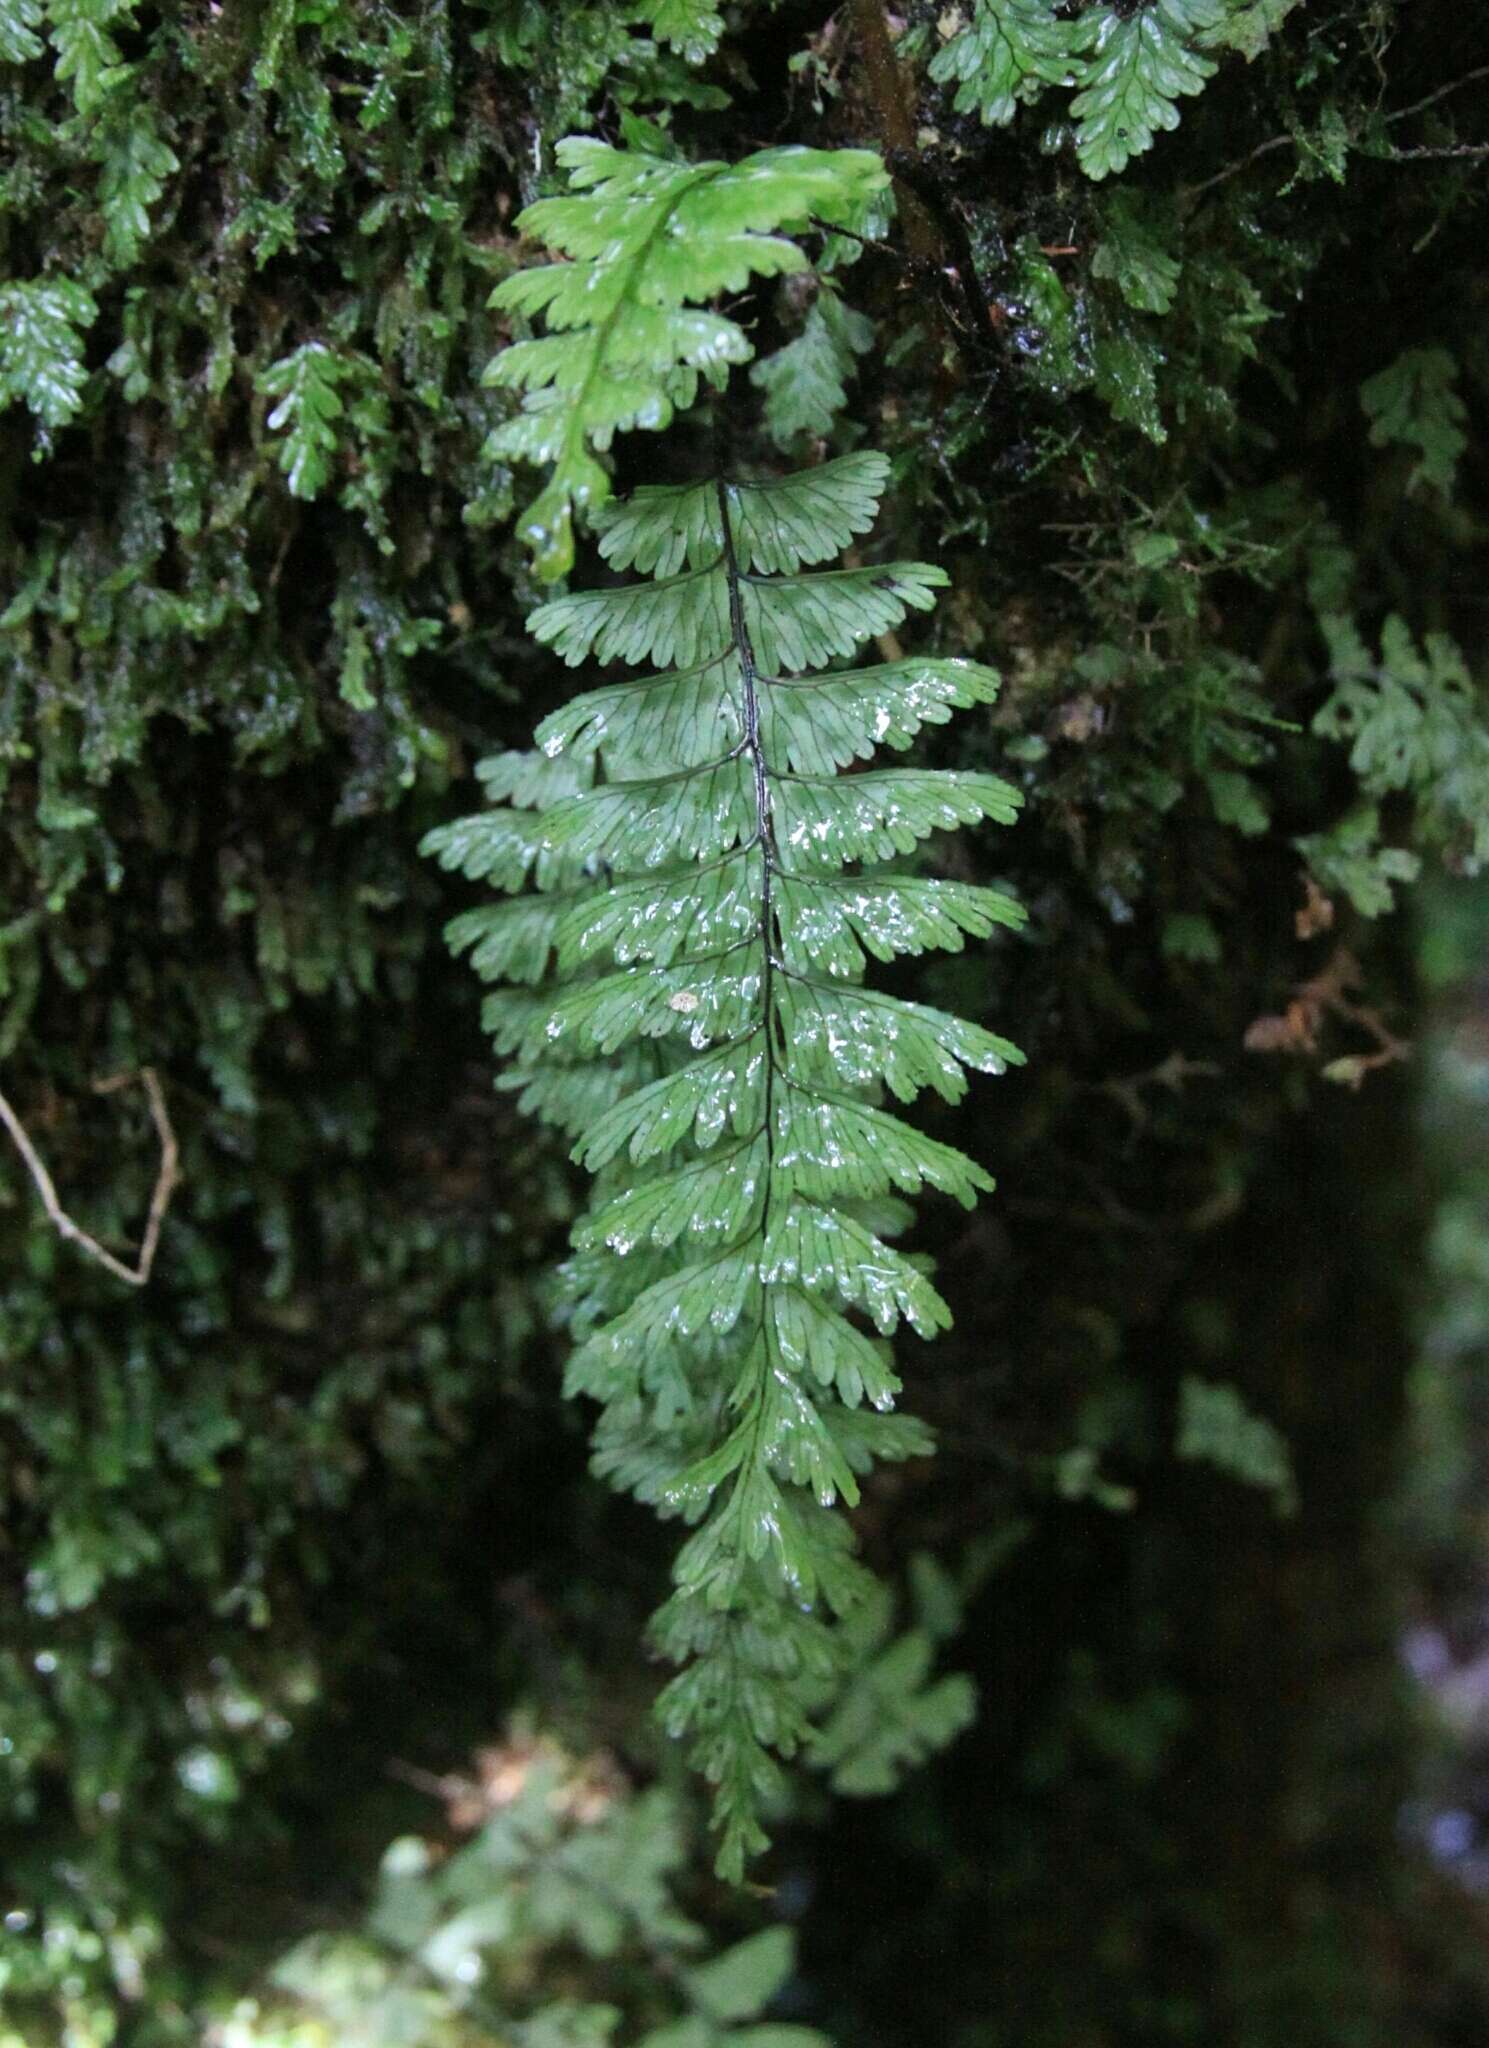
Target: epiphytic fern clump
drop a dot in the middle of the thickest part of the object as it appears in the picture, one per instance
(697, 891)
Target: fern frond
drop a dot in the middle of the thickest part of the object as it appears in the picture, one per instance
(647, 242)
(1130, 63)
(692, 27)
(1004, 56)
(706, 895)
(805, 382)
(1139, 63)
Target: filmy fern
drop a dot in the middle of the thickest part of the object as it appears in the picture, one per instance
(687, 999)
(648, 240)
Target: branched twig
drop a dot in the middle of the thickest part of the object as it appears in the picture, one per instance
(1170, 1073)
(1275, 142)
(165, 1182)
(1330, 993)
(1266, 148)
(1453, 85)
(1448, 149)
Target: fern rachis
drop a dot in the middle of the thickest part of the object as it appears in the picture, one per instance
(686, 997)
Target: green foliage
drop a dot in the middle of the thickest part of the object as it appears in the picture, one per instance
(88, 58)
(1351, 858)
(309, 406)
(1249, 25)
(1129, 64)
(19, 19)
(225, 716)
(1138, 62)
(805, 383)
(41, 348)
(889, 1713)
(693, 909)
(692, 27)
(312, 416)
(249, 1507)
(1413, 727)
(1415, 401)
(553, 1925)
(135, 163)
(1133, 256)
(1005, 55)
(1216, 1425)
(1189, 936)
(647, 240)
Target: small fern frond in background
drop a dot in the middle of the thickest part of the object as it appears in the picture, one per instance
(1004, 56)
(41, 346)
(686, 997)
(557, 1924)
(1129, 65)
(691, 27)
(305, 383)
(1415, 401)
(629, 336)
(805, 382)
(892, 1710)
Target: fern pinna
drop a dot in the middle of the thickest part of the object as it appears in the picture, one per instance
(686, 999)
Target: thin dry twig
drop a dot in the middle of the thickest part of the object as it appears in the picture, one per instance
(1262, 149)
(1453, 85)
(1170, 1073)
(1275, 142)
(1447, 149)
(165, 1181)
(1330, 993)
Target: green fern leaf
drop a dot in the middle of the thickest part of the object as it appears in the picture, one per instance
(572, 1098)
(136, 164)
(1132, 256)
(776, 524)
(1138, 62)
(1248, 26)
(691, 27)
(307, 384)
(831, 925)
(805, 383)
(794, 622)
(648, 241)
(892, 1719)
(1412, 725)
(821, 725)
(41, 348)
(87, 56)
(1415, 401)
(18, 18)
(1004, 57)
(704, 895)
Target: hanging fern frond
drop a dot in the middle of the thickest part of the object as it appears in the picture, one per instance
(1129, 61)
(1004, 56)
(1141, 62)
(647, 240)
(684, 993)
